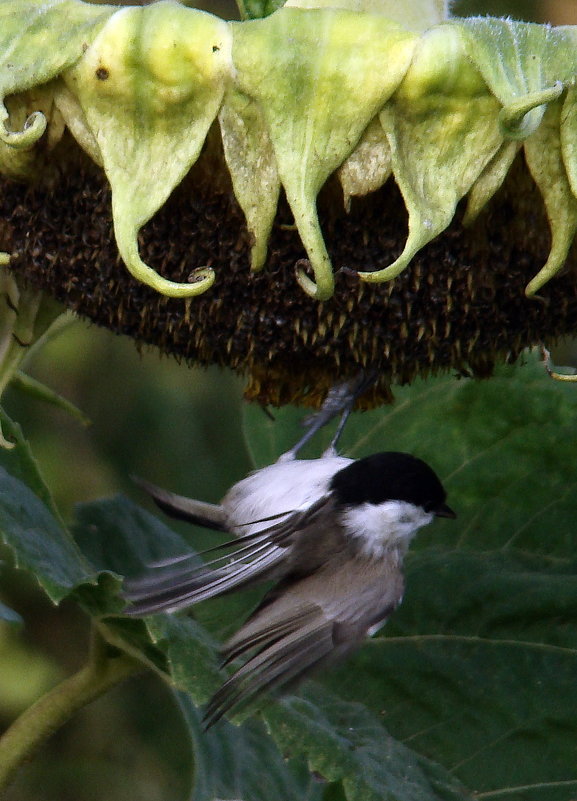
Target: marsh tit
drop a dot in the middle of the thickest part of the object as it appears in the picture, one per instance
(331, 533)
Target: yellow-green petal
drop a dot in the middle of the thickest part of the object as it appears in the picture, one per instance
(545, 161)
(75, 119)
(490, 180)
(150, 86)
(368, 166)
(250, 158)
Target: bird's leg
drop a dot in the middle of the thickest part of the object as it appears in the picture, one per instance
(357, 386)
(340, 399)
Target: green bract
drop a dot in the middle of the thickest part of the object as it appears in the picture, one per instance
(299, 95)
(442, 128)
(311, 104)
(150, 86)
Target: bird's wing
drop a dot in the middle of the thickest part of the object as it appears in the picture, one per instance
(246, 560)
(301, 625)
(283, 651)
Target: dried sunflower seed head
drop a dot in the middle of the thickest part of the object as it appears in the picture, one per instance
(222, 146)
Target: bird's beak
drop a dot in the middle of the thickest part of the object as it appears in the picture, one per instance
(444, 511)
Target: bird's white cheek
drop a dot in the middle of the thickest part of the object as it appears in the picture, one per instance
(378, 528)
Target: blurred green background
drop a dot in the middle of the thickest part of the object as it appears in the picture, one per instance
(178, 427)
(150, 417)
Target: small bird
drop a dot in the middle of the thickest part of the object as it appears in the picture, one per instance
(331, 533)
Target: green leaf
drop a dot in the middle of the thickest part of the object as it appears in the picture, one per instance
(9, 615)
(345, 742)
(38, 541)
(269, 436)
(488, 654)
(36, 389)
(20, 462)
(30, 524)
(476, 670)
(121, 538)
(504, 448)
(117, 535)
(243, 762)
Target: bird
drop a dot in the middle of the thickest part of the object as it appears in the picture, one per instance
(330, 534)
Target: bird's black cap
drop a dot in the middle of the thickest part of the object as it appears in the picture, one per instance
(391, 476)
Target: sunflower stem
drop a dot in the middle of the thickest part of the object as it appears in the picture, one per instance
(106, 667)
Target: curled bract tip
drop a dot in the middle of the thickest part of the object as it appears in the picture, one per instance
(535, 285)
(324, 287)
(6, 443)
(33, 129)
(201, 279)
(570, 378)
(549, 270)
(520, 118)
(386, 274)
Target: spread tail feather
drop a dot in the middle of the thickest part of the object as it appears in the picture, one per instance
(208, 515)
